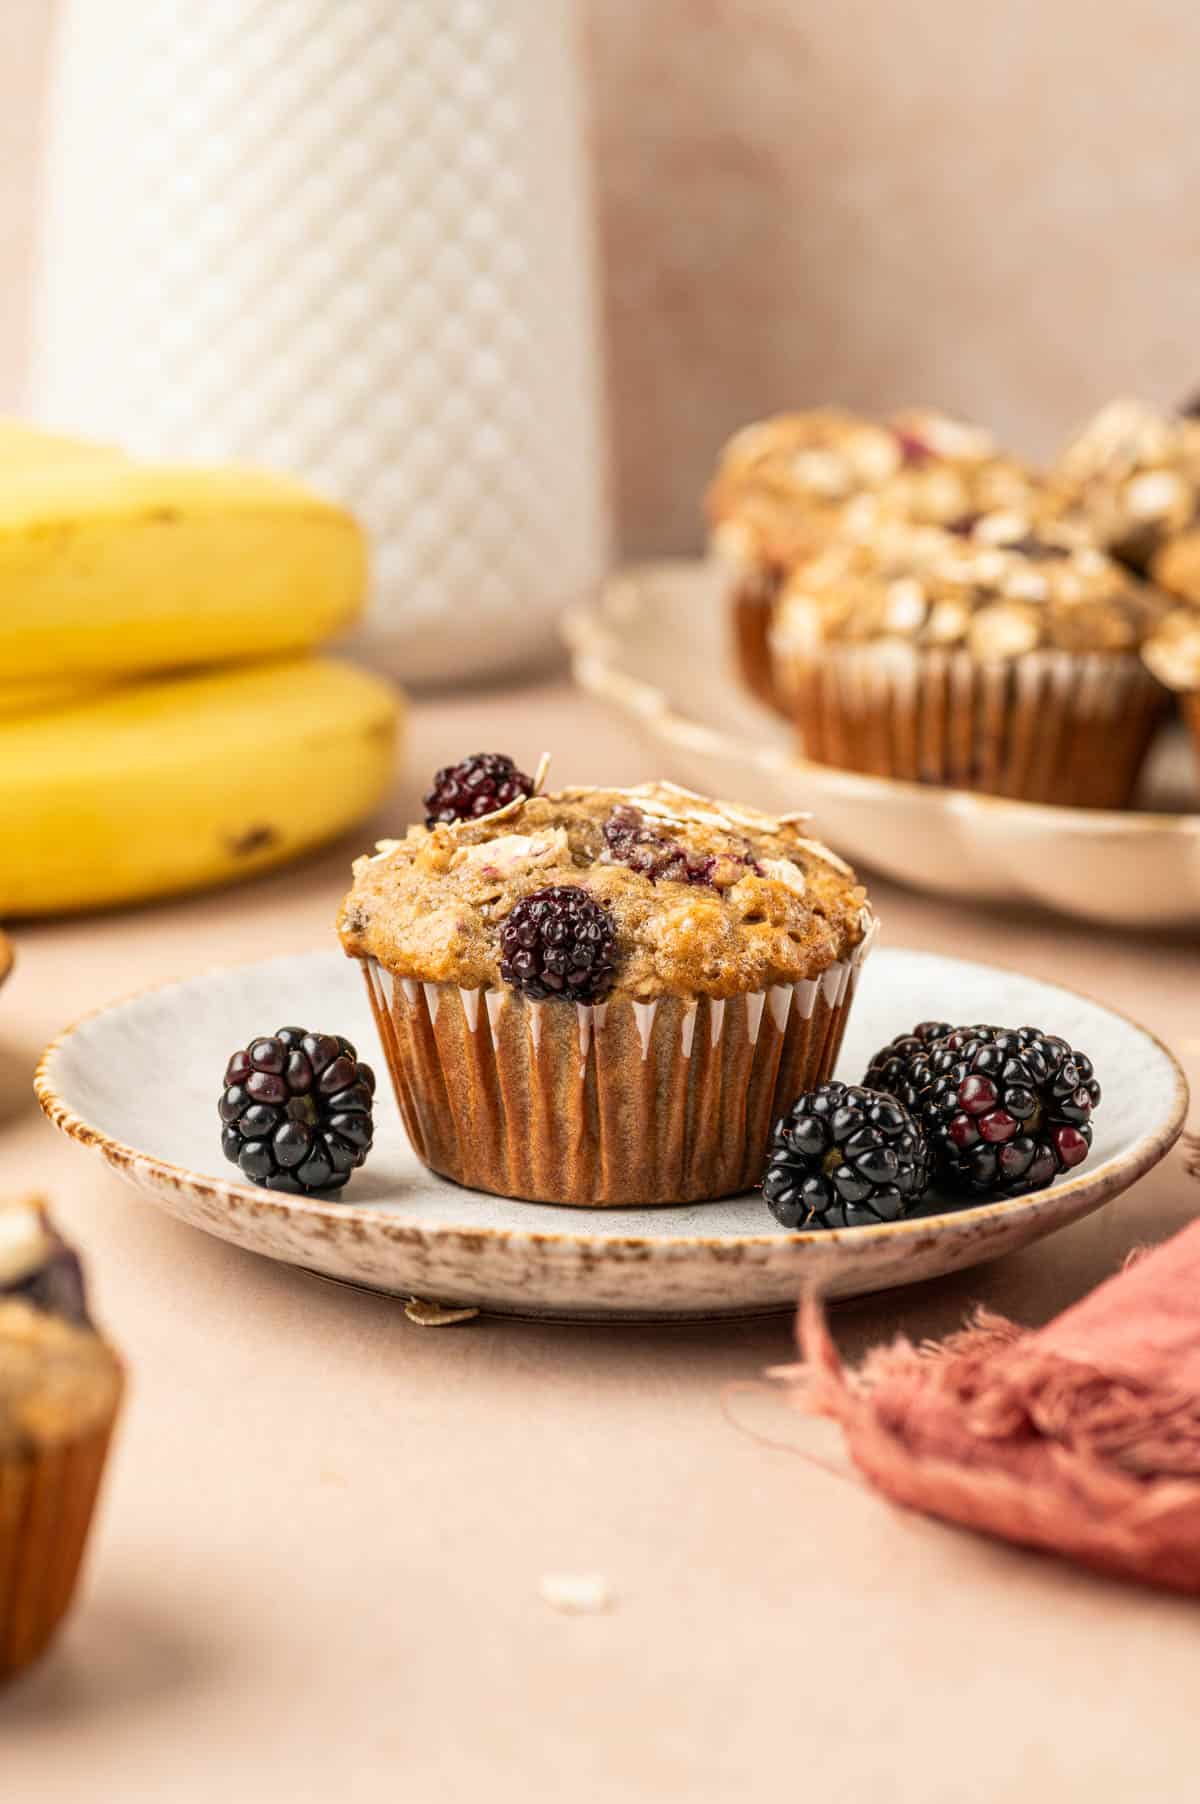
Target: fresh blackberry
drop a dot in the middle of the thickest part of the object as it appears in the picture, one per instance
(559, 942)
(297, 1111)
(1005, 1110)
(844, 1157)
(476, 785)
(896, 1067)
(632, 840)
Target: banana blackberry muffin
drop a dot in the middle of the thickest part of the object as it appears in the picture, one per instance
(60, 1389)
(605, 996)
(786, 485)
(1172, 654)
(1132, 477)
(1005, 660)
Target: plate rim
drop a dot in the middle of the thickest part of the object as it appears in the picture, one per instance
(1109, 1180)
(589, 630)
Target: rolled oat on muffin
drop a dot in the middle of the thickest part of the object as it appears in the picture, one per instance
(606, 996)
(60, 1391)
(1004, 660)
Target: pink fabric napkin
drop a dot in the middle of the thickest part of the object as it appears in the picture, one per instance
(1082, 1437)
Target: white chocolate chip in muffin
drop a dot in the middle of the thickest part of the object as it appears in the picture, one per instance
(1157, 494)
(1172, 654)
(734, 545)
(1003, 528)
(874, 456)
(822, 473)
(782, 870)
(1025, 583)
(947, 621)
(904, 606)
(1004, 630)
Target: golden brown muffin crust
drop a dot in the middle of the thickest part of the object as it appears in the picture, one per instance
(57, 1380)
(787, 484)
(775, 906)
(1007, 588)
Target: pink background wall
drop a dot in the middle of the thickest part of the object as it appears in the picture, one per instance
(877, 201)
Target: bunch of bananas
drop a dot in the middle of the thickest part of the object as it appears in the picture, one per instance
(163, 722)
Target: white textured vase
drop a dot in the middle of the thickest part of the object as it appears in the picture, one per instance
(350, 239)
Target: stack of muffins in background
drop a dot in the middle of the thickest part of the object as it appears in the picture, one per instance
(924, 606)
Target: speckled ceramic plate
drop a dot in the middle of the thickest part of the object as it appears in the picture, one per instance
(401, 1229)
(656, 649)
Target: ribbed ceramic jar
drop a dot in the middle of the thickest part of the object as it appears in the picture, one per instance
(349, 239)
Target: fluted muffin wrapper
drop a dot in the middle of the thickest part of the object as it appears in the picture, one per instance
(47, 1501)
(623, 1103)
(1190, 706)
(752, 606)
(1051, 726)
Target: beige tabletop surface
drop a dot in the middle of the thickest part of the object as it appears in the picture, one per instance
(316, 1571)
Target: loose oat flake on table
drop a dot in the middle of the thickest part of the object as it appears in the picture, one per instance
(1081, 1438)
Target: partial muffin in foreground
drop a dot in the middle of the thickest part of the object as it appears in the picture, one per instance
(1005, 661)
(785, 485)
(606, 996)
(60, 1389)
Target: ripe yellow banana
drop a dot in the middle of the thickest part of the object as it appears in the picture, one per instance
(40, 693)
(113, 567)
(172, 785)
(28, 446)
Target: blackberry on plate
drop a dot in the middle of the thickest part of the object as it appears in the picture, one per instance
(297, 1111)
(844, 1157)
(475, 786)
(559, 942)
(897, 1069)
(1005, 1110)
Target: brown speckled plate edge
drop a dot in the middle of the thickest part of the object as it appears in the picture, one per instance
(228, 1210)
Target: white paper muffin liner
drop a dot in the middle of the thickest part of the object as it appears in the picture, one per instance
(1049, 726)
(622, 1103)
(47, 1499)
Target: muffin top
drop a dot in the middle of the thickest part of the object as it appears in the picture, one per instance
(1132, 474)
(787, 483)
(997, 591)
(694, 897)
(1172, 652)
(57, 1377)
